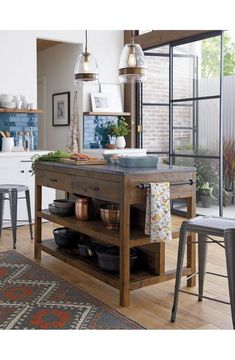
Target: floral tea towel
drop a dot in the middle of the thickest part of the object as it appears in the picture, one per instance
(158, 214)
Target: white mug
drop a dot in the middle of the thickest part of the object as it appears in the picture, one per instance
(7, 144)
(19, 104)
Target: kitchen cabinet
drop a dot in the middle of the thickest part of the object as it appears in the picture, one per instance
(121, 186)
(16, 169)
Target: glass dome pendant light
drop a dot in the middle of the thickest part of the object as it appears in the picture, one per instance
(132, 65)
(86, 68)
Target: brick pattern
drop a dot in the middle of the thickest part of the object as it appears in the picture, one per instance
(15, 122)
(156, 90)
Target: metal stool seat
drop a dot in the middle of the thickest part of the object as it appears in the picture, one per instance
(12, 191)
(9, 187)
(206, 226)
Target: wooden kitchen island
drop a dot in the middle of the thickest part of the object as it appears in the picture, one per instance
(117, 185)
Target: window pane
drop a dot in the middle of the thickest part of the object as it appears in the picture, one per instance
(183, 77)
(207, 195)
(159, 50)
(196, 68)
(203, 117)
(156, 128)
(156, 86)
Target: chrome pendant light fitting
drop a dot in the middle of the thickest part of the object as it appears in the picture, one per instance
(86, 68)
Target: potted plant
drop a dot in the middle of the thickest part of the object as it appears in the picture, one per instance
(228, 170)
(207, 171)
(120, 130)
(103, 132)
(206, 192)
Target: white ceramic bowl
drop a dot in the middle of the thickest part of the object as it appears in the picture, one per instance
(8, 105)
(6, 98)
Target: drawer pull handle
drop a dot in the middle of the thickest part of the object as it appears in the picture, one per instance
(96, 188)
(22, 171)
(53, 180)
(30, 171)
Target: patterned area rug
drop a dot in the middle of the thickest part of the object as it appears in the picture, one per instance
(31, 297)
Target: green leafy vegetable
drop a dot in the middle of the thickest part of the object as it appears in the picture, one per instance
(51, 156)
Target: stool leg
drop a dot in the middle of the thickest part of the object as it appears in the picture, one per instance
(180, 259)
(229, 242)
(13, 209)
(1, 211)
(27, 196)
(202, 253)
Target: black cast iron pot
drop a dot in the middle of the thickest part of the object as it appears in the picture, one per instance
(66, 238)
(108, 258)
(86, 247)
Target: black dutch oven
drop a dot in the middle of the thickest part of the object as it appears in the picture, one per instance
(108, 258)
(86, 247)
(66, 238)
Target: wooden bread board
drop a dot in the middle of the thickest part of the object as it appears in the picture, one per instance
(84, 162)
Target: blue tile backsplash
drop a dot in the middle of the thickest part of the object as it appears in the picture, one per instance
(15, 122)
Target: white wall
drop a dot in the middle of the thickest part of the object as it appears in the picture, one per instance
(18, 68)
(56, 65)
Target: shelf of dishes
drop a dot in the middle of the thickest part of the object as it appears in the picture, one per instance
(16, 103)
(94, 229)
(141, 273)
(35, 111)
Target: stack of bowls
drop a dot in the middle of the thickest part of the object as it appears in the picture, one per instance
(6, 101)
(62, 207)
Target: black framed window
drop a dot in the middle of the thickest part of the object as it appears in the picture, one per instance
(181, 112)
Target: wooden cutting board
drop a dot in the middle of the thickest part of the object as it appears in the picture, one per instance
(84, 162)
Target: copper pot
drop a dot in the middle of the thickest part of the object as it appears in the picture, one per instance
(82, 208)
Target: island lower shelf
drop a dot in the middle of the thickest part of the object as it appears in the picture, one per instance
(138, 279)
(96, 229)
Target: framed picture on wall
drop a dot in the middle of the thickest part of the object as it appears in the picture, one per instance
(61, 109)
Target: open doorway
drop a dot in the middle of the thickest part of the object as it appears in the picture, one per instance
(55, 74)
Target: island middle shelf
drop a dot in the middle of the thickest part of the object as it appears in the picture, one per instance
(96, 229)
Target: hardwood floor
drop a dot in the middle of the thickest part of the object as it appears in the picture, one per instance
(150, 306)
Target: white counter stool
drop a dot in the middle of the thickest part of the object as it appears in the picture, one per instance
(10, 192)
(206, 226)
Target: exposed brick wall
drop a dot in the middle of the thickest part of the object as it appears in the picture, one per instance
(156, 89)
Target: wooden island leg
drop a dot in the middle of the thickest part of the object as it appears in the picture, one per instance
(38, 221)
(124, 249)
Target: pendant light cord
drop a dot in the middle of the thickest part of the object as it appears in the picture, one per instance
(132, 36)
(86, 41)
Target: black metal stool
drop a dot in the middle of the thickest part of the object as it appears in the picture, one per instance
(12, 191)
(206, 226)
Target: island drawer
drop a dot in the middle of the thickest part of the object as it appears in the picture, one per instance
(54, 180)
(96, 188)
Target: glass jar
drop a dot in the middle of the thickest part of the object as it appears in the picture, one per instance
(27, 140)
(20, 135)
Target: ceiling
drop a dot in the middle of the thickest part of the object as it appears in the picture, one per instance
(45, 44)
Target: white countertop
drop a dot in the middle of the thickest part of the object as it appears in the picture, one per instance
(23, 153)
